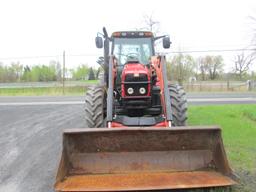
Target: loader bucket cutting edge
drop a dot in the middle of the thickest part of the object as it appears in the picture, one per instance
(132, 159)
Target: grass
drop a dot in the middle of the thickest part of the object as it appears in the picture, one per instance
(36, 91)
(238, 123)
(54, 88)
(90, 81)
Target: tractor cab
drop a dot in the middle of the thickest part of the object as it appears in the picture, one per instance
(132, 47)
(133, 51)
(128, 46)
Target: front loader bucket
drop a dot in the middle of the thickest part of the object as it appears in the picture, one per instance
(132, 159)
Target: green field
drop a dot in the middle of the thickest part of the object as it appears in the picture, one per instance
(89, 81)
(40, 91)
(50, 88)
(238, 123)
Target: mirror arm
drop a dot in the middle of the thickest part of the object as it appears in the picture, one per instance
(100, 34)
(160, 37)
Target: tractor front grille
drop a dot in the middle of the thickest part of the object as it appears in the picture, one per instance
(132, 78)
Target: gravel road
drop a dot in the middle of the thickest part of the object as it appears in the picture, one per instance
(30, 140)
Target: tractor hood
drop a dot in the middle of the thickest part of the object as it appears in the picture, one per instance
(135, 76)
(134, 68)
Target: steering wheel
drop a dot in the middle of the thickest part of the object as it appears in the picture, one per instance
(130, 56)
(133, 55)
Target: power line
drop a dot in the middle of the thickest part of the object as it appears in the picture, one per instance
(82, 55)
(29, 57)
(169, 52)
(191, 51)
(46, 56)
(213, 50)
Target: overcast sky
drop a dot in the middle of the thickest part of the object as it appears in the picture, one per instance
(47, 27)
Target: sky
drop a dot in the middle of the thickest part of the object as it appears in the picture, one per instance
(31, 28)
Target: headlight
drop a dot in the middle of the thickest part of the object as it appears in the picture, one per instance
(130, 91)
(142, 90)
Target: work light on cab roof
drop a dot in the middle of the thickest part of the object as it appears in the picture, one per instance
(132, 34)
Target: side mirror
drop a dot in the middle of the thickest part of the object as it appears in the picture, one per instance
(99, 42)
(166, 42)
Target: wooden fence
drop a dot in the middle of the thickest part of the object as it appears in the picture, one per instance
(223, 86)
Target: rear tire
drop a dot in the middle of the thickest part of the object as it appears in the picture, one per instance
(94, 107)
(178, 105)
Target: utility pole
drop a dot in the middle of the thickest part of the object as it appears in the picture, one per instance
(63, 76)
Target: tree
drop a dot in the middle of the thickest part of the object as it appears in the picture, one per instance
(151, 24)
(8, 73)
(214, 65)
(98, 73)
(40, 73)
(91, 74)
(202, 68)
(51, 73)
(26, 76)
(242, 64)
(57, 67)
(80, 73)
(210, 66)
(181, 67)
(2, 72)
(17, 69)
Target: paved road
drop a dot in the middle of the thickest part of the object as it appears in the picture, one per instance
(193, 98)
(30, 140)
(30, 137)
(43, 84)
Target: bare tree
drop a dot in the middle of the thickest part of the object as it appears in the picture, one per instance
(17, 69)
(215, 66)
(242, 63)
(149, 23)
(58, 71)
(210, 66)
(202, 68)
(180, 67)
(152, 24)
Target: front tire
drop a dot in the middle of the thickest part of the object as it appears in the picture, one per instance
(178, 105)
(94, 107)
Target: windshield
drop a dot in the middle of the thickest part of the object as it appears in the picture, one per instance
(128, 48)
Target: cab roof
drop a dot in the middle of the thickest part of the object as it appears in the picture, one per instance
(132, 34)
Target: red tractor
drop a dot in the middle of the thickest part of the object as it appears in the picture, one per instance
(140, 142)
(135, 90)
